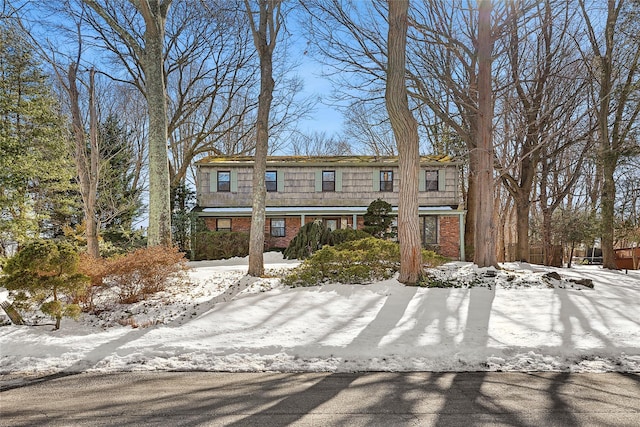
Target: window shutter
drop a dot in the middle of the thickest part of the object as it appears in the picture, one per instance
(213, 181)
(234, 181)
(441, 179)
(338, 180)
(279, 181)
(318, 181)
(376, 180)
(422, 181)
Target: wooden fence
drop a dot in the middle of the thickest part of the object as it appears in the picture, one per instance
(536, 255)
(626, 259)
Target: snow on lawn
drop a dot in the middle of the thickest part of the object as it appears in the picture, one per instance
(519, 318)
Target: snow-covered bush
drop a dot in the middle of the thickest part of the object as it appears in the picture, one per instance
(45, 273)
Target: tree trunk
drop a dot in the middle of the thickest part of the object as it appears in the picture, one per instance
(405, 130)
(159, 232)
(87, 163)
(470, 217)
(522, 227)
(264, 37)
(485, 245)
(151, 59)
(610, 161)
(547, 232)
(256, 243)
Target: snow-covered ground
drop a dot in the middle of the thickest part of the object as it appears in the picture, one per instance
(515, 319)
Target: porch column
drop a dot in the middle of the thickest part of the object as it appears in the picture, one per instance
(355, 222)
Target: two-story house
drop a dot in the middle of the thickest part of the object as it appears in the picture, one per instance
(335, 189)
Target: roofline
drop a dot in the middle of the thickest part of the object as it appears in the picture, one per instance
(314, 161)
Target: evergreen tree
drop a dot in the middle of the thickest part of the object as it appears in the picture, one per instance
(183, 200)
(310, 238)
(119, 199)
(377, 220)
(37, 192)
(44, 272)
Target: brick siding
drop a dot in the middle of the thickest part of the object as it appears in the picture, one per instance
(449, 237)
(448, 243)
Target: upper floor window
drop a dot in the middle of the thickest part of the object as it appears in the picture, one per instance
(431, 183)
(223, 224)
(278, 228)
(224, 181)
(271, 180)
(328, 180)
(386, 180)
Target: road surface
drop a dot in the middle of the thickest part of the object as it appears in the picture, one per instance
(322, 399)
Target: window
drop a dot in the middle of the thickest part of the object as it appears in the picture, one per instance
(271, 180)
(430, 230)
(278, 227)
(431, 183)
(332, 223)
(386, 180)
(224, 181)
(328, 180)
(223, 224)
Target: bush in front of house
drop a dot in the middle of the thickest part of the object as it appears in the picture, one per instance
(45, 273)
(310, 238)
(378, 219)
(220, 245)
(353, 262)
(342, 235)
(356, 262)
(132, 277)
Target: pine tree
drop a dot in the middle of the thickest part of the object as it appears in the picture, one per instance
(37, 192)
(377, 220)
(44, 272)
(119, 199)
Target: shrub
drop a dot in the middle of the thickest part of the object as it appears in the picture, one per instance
(45, 273)
(221, 244)
(310, 238)
(96, 269)
(136, 275)
(355, 262)
(120, 241)
(342, 235)
(377, 220)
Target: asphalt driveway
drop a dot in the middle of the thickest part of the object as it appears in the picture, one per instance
(322, 399)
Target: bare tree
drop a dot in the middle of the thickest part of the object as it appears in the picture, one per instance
(265, 34)
(147, 69)
(614, 57)
(369, 128)
(87, 157)
(210, 83)
(444, 69)
(319, 144)
(544, 90)
(482, 155)
(405, 129)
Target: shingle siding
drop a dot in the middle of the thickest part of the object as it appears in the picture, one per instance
(299, 188)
